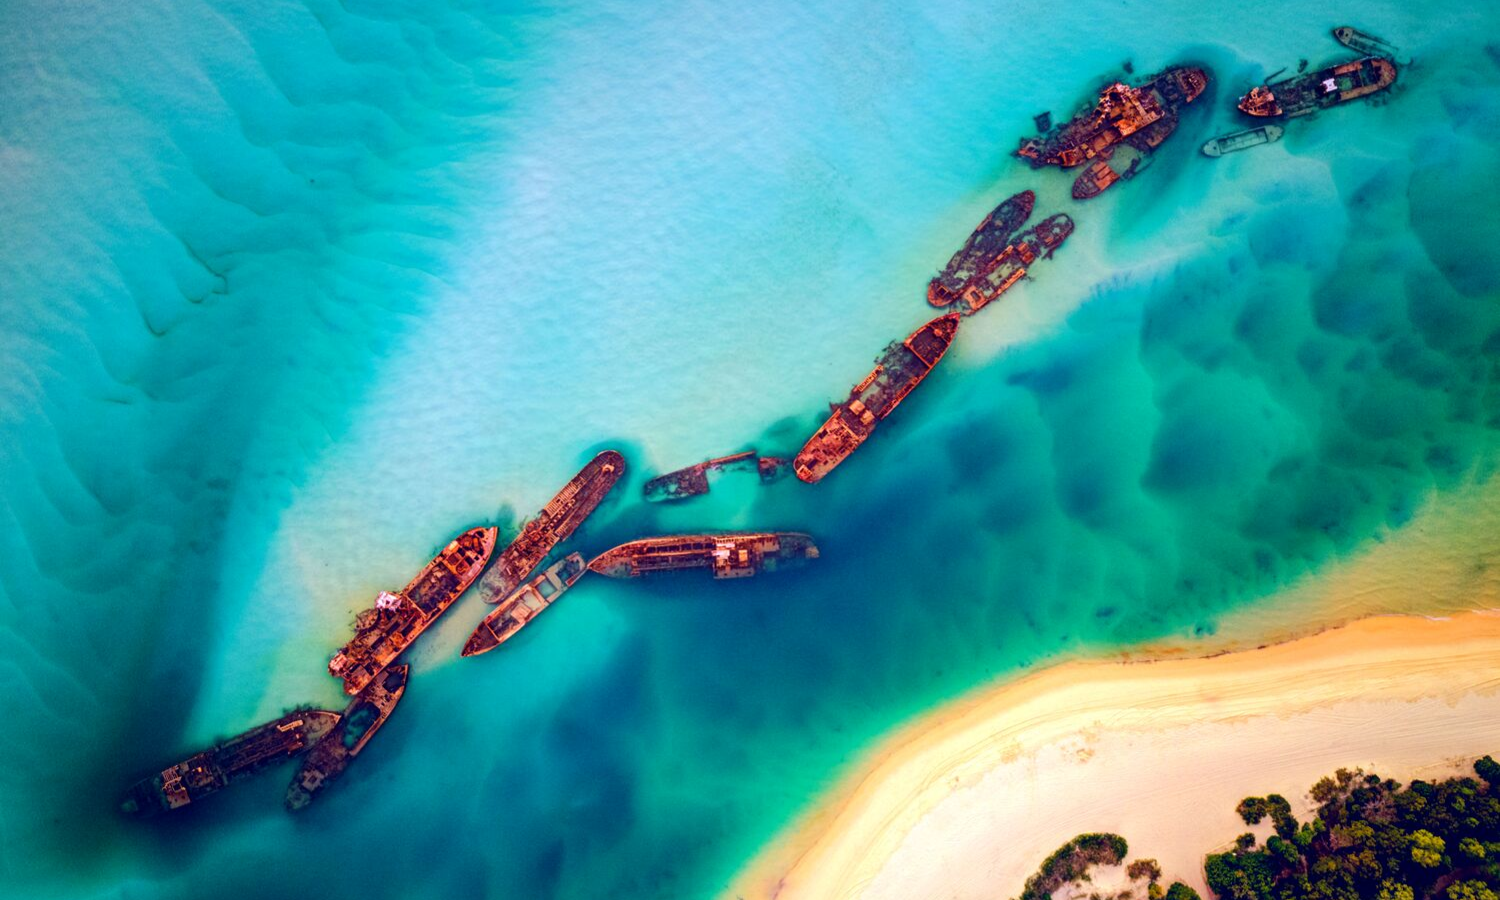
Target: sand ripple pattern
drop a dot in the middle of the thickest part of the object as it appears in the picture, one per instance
(216, 217)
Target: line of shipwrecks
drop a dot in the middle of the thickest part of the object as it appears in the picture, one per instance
(1111, 139)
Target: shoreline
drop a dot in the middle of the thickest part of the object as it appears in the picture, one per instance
(1361, 612)
(973, 799)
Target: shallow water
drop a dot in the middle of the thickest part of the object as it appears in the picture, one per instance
(295, 294)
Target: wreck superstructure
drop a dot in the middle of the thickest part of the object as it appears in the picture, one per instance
(898, 369)
(1014, 262)
(1140, 117)
(989, 240)
(1310, 92)
(383, 631)
(524, 604)
(363, 716)
(556, 522)
(726, 555)
(692, 481)
(236, 759)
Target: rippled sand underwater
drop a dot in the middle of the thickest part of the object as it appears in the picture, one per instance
(293, 293)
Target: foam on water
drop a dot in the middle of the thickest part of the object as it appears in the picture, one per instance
(295, 298)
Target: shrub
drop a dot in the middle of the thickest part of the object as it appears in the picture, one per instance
(1252, 810)
(1071, 863)
(1180, 891)
(1149, 869)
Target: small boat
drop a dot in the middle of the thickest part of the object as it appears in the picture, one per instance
(1243, 140)
(1360, 42)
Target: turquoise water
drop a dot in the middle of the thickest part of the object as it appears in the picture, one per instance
(295, 292)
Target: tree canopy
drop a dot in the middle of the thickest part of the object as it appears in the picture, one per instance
(1371, 838)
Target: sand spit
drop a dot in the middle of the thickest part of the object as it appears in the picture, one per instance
(1159, 745)
(967, 804)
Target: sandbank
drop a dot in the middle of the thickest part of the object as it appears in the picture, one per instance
(965, 802)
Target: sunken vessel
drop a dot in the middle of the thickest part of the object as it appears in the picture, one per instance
(725, 555)
(236, 759)
(556, 522)
(898, 370)
(1242, 140)
(364, 715)
(524, 604)
(1139, 118)
(1362, 43)
(692, 481)
(988, 241)
(389, 627)
(1312, 91)
(1014, 262)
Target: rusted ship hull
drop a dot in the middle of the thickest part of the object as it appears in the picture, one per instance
(1142, 116)
(1036, 243)
(693, 480)
(988, 240)
(524, 604)
(234, 760)
(329, 757)
(386, 629)
(1304, 94)
(556, 522)
(898, 370)
(726, 555)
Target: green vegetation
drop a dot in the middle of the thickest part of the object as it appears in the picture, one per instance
(1254, 809)
(1370, 838)
(1144, 869)
(1071, 862)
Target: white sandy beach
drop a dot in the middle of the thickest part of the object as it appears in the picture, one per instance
(966, 802)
